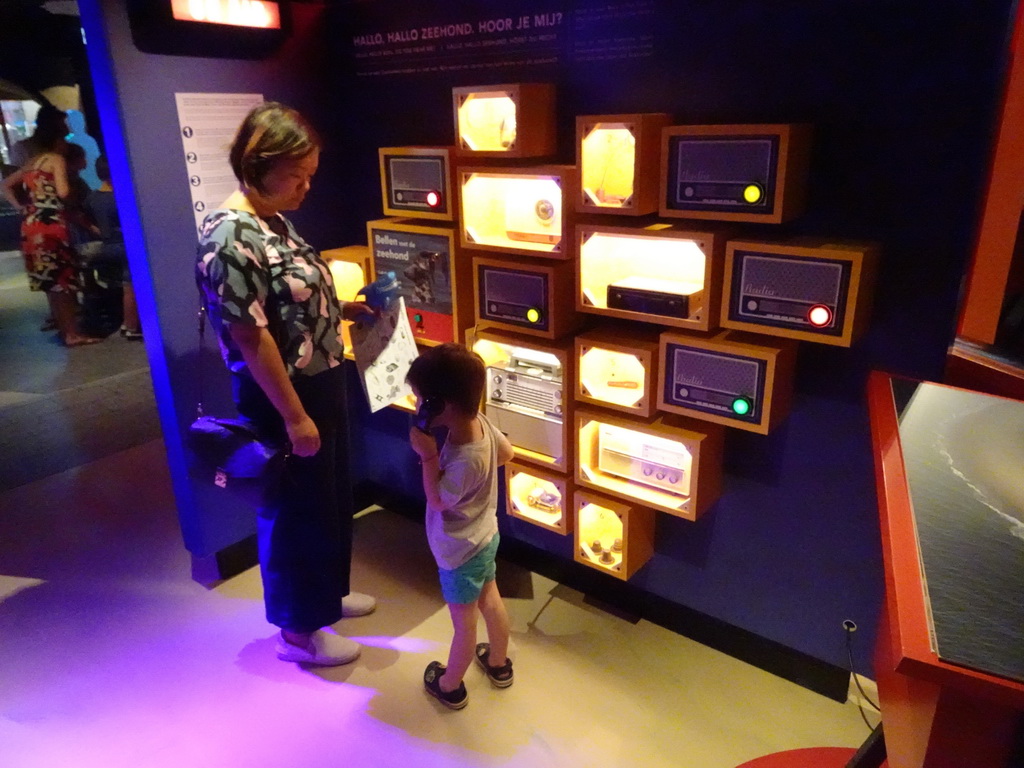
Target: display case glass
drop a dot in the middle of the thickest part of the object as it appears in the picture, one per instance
(350, 269)
(612, 536)
(664, 275)
(539, 497)
(517, 210)
(434, 281)
(618, 160)
(672, 466)
(618, 369)
(416, 182)
(525, 394)
(514, 120)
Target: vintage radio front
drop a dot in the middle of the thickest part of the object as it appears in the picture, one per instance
(660, 275)
(513, 120)
(435, 281)
(617, 156)
(735, 379)
(416, 182)
(755, 173)
(807, 289)
(517, 210)
(539, 497)
(611, 535)
(525, 394)
(526, 297)
(670, 464)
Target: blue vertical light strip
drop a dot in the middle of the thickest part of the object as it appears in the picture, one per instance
(101, 66)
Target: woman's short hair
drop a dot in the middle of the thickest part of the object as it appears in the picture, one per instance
(51, 127)
(451, 373)
(271, 132)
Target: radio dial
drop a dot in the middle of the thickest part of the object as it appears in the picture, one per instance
(673, 479)
(752, 305)
(647, 471)
(496, 394)
(660, 475)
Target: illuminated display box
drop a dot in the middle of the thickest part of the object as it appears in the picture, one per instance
(752, 173)
(667, 463)
(416, 182)
(611, 535)
(525, 297)
(658, 274)
(539, 497)
(618, 370)
(618, 160)
(518, 210)
(435, 280)
(735, 379)
(350, 268)
(528, 394)
(808, 289)
(514, 120)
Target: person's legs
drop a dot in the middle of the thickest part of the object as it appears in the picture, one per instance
(130, 312)
(496, 618)
(64, 309)
(460, 655)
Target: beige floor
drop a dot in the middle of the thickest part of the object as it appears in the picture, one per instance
(112, 656)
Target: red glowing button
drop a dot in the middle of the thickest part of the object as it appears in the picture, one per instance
(433, 199)
(819, 316)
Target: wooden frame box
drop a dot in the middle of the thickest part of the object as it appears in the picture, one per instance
(661, 274)
(667, 463)
(350, 268)
(525, 297)
(539, 497)
(528, 394)
(416, 182)
(524, 211)
(435, 277)
(511, 120)
(610, 535)
(754, 173)
(617, 156)
(734, 379)
(807, 289)
(618, 369)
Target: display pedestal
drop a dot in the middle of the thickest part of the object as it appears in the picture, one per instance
(938, 713)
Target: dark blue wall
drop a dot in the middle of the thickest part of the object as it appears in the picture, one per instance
(902, 95)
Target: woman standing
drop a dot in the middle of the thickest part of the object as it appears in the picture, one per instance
(50, 259)
(272, 302)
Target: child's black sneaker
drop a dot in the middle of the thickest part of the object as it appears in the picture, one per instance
(500, 677)
(456, 699)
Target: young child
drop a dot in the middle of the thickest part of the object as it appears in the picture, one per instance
(461, 486)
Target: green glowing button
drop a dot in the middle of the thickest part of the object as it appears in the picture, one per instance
(533, 315)
(753, 193)
(741, 406)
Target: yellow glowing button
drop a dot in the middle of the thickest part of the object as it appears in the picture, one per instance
(533, 315)
(753, 193)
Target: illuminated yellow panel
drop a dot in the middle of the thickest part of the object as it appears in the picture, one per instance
(665, 265)
(513, 211)
(487, 122)
(536, 499)
(608, 165)
(239, 13)
(613, 377)
(600, 536)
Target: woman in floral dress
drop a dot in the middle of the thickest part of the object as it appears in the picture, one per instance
(50, 259)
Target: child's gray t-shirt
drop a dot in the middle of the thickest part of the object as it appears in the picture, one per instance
(468, 490)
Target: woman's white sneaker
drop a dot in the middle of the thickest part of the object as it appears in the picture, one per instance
(324, 649)
(357, 604)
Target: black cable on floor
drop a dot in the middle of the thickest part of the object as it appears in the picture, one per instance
(850, 628)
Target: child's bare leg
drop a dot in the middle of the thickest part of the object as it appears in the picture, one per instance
(464, 618)
(496, 619)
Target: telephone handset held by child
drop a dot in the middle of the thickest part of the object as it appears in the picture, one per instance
(380, 294)
(430, 408)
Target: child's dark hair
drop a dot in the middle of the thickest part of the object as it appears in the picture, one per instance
(450, 373)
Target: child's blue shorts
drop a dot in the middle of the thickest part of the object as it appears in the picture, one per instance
(463, 584)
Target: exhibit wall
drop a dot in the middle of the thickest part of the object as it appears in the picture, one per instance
(901, 98)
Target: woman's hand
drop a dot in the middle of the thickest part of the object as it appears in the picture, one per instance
(304, 436)
(354, 310)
